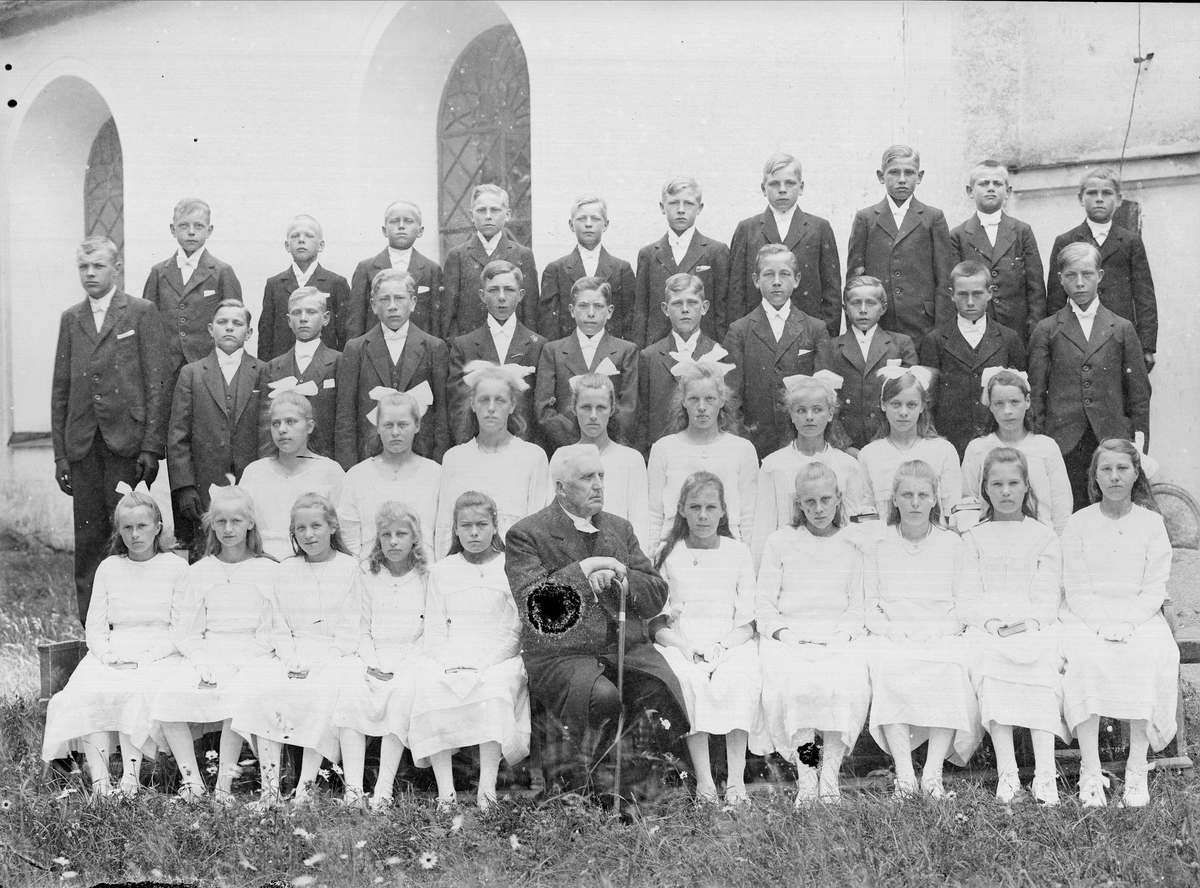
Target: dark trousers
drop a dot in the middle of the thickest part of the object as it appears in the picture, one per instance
(187, 533)
(1079, 463)
(94, 497)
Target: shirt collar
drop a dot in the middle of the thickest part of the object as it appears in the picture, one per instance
(304, 275)
(1089, 312)
(902, 208)
(682, 240)
(771, 310)
(399, 258)
(193, 260)
(783, 221)
(583, 525)
(864, 338)
(397, 336)
(508, 328)
(490, 245)
(586, 341)
(226, 360)
(979, 326)
(307, 349)
(1098, 228)
(689, 344)
(588, 254)
(989, 218)
(102, 303)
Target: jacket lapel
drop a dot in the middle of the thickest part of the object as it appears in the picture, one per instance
(410, 358)
(978, 239)
(116, 309)
(878, 350)
(1101, 326)
(912, 220)
(202, 275)
(246, 377)
(87, 321)
(762, 329)
(476, 251)
(1112, 243)
(792, 330)
(604, 349)
(1006, 236)
(853, 354)
(694, 251)
(377, 351)
(665, 257)
(214, 380)
(521, 340)
(487, 345)
(796, 230)
(768, 228)
(1068, 324)
(172, 275)
(574, 265)
(883, 218)
(573, 356)
(562, 529)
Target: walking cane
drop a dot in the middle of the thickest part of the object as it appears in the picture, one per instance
(620, 694)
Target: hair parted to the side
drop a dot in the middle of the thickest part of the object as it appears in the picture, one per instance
(1006, 456)
(473, 499)
(894, 387)
(835, 435)
(498, 267)
(865, 282)
(681, 183)
(1103, 174)
(1072, 253)
(291, 399)
(693, 484)
(237, 501)
(683, 282)
(900, 152)
(766, 251)
(395, 512)
(592, 285)
(237, 305)
(781, 161)
(95, 244)
(399, 399)
(586, 200)
(316, 501)
(988, 164)
(815, 473)
(489, 188)
(597, 382)
(695, 374)
(301, 219)
(191, 205)
(922, 471)
(302, 293)
(1007, 377)
(1142, 494)
(403, 203)
(132, 500)
(393, 274)
(516, 422)
(970, 268)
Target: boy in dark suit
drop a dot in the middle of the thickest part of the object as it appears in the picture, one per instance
(857, 355)
(906, 244)
(461, 310)
(106, 410)
(214, 421)
(810, 238)
(685, 305)
(502, 339)
(682, 250)
(588, 222)
(394, 354)
(773, 341)
(1008, 249)
(305, 241)
(1087, 373)
(961, 350)
(590, 349)
(310, 366)
(1128, 288)
(402, 227)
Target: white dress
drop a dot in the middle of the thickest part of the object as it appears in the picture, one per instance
(912, 590)
(1012, 571)
(225, 606)
(517, 478)
(316, 611)
(1116, 572)
(1047, 475)
(777, 489)
(711, 592)
(134, 605)
(625, 489)
(814, 587)
(274, 494)
(470, 680)
(370, 484)
(880, 459)
(730, 458)
(393, 618)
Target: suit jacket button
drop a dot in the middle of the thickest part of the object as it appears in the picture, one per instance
(182, 334)
(1088, 402)
(96, 378)
(1087, 367)
(995, 274)
(95, 397)
(896, 291)
(1087, 383)
(896, 273)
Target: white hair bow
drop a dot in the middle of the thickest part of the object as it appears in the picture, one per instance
(292, 384)
(1150, 465)
(124, 489)
(215, 487)
(923, 375)
(422, 394)
(831, 379)
(515, 372)
(606, 368)
(989, 372)
(710, 359)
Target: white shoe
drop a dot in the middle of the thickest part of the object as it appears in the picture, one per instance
(1045, 790)
(1137, 790)
(129, 787)
(447, 804)
(736, 796)
(933, 788)
(354, 798)
(907, 789)
(807, 786)
(1091, 790)
(1008, 787)
(485, 802)
(830, 788)
(380, 803)
(190, 793)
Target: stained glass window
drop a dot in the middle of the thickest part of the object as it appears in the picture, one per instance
(104, 191)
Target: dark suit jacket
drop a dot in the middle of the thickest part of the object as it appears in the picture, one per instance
(707, 259)
(562, 359)
(1101, 381)
(462, 277)
(525, 349)
(1127, 289)
(810, 238)
(114, 380)
(366, 364)
(214, 427)
(957, 411)
(427, 274)
(275, 336)
(545, 548)
(1019, 299)
(554, 309)
(188, 310)
(656, 388)
(914, 264)
(322, 370)
(859, 396)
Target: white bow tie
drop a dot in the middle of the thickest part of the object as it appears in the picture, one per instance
(394, 335)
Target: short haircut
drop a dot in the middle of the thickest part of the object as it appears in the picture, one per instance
(922, 471)
(566, 457)
(306, 218)
(683, 282)
(1104, 174)
(592, 284)
(498, 267)
(682, 183)
(780, 161)
(1074, 252)
(403, 203)
(191, 205)
(988, 164)
(768, 250)
(394, 274)
(233, 303)
(901, 152)
(489, 188)
(969, 268)
(865, 282)
(95, 244)
(308, 293)
(585, 199)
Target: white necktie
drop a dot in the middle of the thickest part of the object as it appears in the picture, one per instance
(1101, 237)
(98, 316)
(186, 267)
(228, 368)
(777, 322)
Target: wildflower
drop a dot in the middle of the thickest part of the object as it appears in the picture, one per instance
(211, 769)
(302, 833)
(514, 842)
(62, 861)
(301, 881)
(196, 825)
(66, 792)
(378, 879)
(324, 772)
(337, 769)
(360, 844)
(343, 857)
(961, 817)
(652, 830)
(666, 723)
(211, 755)
(428, 860)
(683, 775)
(70, 874)
(247, 865)
(456, 823)
(156, 872)
(391, 861)
(248, 762)
(315, 859)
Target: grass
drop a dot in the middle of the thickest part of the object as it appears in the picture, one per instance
(49, 830)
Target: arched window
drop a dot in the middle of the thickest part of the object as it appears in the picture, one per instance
(104, 190)
(483, 134)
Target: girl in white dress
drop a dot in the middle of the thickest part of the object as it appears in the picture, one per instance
(470, 686)
(513, 472)
(1011, 592)
(812, 403)
(810, 612)
(906, 433)
(706, 629)
(276, 481)
(705, 444)
(593, 401)
(316, 608)
(1122, 661)
(397, 474)
(920, 664)
(377, 701)
(136, 597)
(228, 599)
(1006, 392)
